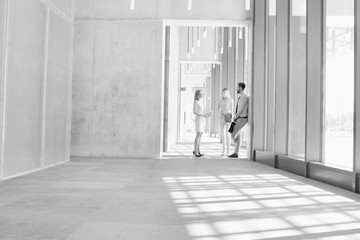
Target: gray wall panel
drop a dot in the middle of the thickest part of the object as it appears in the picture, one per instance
(24, 87)
(2, 36)
(28, 116)
(3, 12)
(58, 70)
(82, 89)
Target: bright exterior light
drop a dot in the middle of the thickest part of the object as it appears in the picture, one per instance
(188, 43)
(222, 41)
(189, 5)
(230, 37)
(215, 44)
(198, 36)
(205, 33)
(192, 40)
(132, 4)
(247, 5)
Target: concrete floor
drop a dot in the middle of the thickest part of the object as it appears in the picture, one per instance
(173, 198)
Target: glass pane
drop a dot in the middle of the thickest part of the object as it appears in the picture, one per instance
(297, 80)
(271, 75)
(339, 83)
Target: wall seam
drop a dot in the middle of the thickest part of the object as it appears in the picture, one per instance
(288, 73)
(57, 11)
(356, 84)
(46, 55)
(69, 96)
(6, 48)
(61, 14)
(306, 89)
(266, 75)
(92, 94)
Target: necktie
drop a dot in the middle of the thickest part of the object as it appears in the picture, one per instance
(237, 104)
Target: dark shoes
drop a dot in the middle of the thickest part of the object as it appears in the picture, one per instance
(196, 155)
(234, 155)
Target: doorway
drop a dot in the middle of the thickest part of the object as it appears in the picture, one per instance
(208, 56)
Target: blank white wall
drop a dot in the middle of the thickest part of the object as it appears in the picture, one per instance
(36, 82)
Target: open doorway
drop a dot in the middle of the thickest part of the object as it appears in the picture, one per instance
(207, 56)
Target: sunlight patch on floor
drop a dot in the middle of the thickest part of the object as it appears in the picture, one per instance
(260, 206)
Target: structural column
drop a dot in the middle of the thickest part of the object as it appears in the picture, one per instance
(258, 98)
(357, 98)
(313, 144)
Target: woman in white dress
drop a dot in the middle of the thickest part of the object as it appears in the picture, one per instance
(226, 109)
(200, 120)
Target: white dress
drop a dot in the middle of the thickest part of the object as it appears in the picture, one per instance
(200, 121)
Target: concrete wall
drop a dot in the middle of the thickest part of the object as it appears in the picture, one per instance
(118, 72)
(173, 86)
(161, 9)
(35, 101)
(117, 89)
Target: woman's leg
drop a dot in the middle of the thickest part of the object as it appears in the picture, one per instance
(199, 140)
(222, 124)
(227, 134)
(196, 143)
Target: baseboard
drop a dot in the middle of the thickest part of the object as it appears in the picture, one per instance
(32, 171)
(267, 158)
(291, 164)
(333, 176)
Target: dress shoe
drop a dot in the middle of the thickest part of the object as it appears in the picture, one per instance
(234, 155)
(196, 155)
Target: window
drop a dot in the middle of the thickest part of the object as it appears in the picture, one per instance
(297, 78)
(339, 83)
(271, 34)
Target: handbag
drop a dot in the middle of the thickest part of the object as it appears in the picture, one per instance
(227, 117)
(231, 128)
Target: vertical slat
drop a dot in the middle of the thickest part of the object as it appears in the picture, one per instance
(314, 76)
(3, 85)
(281, 86)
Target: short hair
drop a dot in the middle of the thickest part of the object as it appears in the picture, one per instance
(197, 94)
(242, 85)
